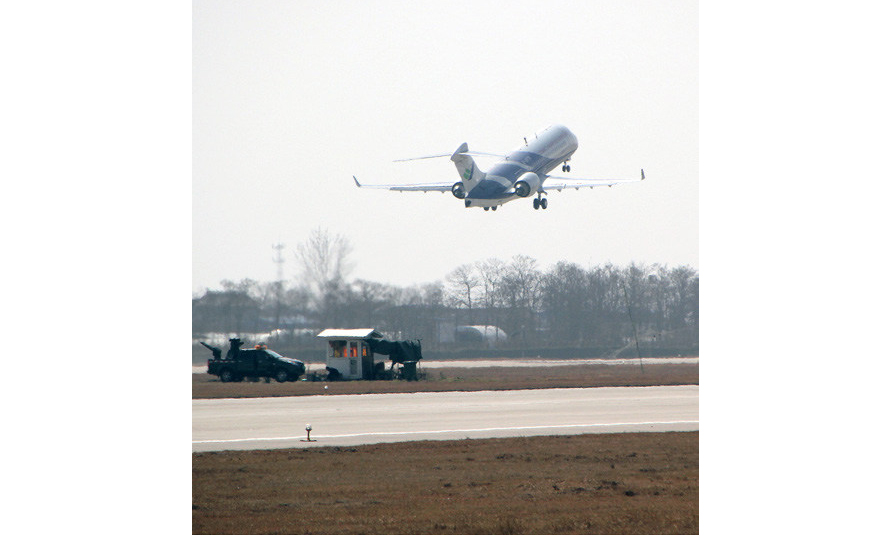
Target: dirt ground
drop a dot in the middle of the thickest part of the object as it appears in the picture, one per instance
(633, 483)
(462, 379)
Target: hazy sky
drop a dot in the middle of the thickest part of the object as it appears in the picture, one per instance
(289, 104)
(290, 99)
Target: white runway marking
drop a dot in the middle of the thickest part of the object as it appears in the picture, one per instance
(442, 431)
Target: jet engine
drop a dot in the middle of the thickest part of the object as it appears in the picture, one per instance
(458, 190)
(527, 184)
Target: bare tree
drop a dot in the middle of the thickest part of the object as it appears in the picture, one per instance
(369, 298)
(520, 291)
(462, 285)
(243, 308)
(567, 305)
(325, 264)
(565, 298)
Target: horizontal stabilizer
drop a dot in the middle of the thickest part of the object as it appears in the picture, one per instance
(461, 150)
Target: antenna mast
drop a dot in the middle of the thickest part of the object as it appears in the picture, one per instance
(633, 325)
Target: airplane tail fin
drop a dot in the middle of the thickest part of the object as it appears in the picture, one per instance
(470, 173)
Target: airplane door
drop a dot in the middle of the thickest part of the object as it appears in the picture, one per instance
(354, 359)
(367, 362)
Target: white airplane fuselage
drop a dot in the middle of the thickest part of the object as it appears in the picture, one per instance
(545, 151)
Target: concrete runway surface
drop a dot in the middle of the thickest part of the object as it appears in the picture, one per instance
(269, 423)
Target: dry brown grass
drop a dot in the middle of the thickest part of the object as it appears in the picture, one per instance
(463, 379)
(631, 483)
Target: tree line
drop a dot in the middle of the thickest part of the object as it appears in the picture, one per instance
(566, 305)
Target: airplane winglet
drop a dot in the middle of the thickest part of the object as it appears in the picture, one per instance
(356, 181)
(642, 177)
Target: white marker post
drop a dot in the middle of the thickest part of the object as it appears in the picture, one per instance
(308, 429)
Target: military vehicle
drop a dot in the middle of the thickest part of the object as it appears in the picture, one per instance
(252, 364)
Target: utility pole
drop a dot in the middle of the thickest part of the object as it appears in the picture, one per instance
(633, 326)
(279, 281)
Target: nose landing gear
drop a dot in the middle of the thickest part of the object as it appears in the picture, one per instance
(566, 166)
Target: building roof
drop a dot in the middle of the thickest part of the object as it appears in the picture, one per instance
(349, 333)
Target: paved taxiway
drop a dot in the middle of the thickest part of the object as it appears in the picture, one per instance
(268, 423)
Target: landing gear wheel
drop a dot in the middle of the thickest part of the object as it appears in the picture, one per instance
(494, 208)
(486, 208)
(544, 204)
(567, 168)
(536, 203)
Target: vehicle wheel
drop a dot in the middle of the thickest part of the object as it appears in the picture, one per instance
(227, 376)
(281, 376)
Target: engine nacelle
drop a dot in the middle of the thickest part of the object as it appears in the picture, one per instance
(527, 184)
(458, 190)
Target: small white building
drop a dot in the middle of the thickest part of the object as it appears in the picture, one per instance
(348, 352)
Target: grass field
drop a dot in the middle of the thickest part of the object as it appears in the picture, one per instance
(633, 483)
(463, 379)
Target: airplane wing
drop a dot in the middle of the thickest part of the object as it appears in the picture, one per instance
(433, 186)
(462, 149)
(559, 183)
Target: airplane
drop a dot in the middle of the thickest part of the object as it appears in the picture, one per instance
(518, 175)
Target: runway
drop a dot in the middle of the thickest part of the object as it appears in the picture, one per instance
(270, 423)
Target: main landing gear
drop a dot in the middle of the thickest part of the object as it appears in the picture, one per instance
(486, 208)
(539, 202)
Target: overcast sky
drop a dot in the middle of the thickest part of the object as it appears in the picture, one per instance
(291, 99)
